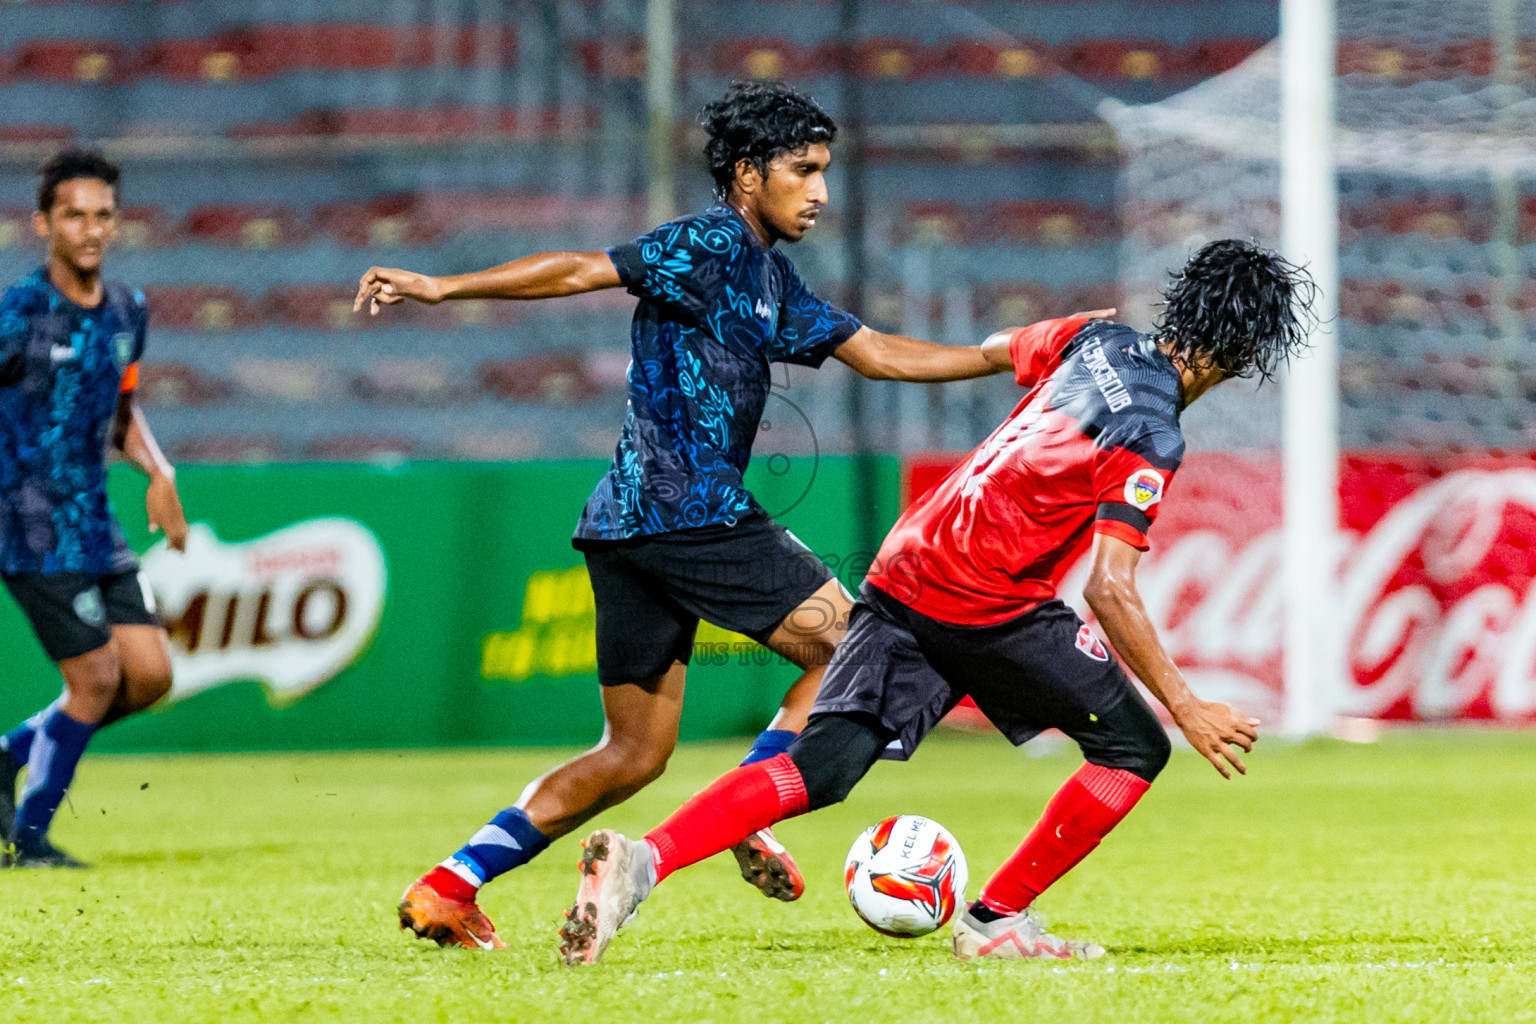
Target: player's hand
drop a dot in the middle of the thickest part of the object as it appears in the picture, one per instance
(1094, 314)
(382, 285)
(1214, 729)
(165, 514)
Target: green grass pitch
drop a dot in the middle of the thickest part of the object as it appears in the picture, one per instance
(1394, 882)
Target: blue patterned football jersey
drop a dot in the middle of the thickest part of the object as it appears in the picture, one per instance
(61, 370)
(716, 308)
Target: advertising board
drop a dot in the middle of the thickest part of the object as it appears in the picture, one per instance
(421, 604)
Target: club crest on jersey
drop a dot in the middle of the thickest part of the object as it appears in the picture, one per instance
(1144, 488)
(1090, 645)
(122, 350)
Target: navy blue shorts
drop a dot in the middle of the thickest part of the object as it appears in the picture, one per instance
(650, 592)
(1043, 670)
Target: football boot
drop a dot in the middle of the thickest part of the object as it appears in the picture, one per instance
(767, 865)
(1020, 937)
(39, 853)
(446, 921)
(617, 873)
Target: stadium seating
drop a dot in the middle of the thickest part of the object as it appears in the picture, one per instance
(274, 150)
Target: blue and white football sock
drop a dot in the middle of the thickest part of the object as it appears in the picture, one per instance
(56, 749)
(19, 740)
(508, 841)
(770, 743)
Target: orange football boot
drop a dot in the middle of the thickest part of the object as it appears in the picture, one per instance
(766, 864)
(447, 922)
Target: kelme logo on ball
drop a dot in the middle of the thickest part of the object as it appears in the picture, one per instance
(289, 610)
(1144, 488)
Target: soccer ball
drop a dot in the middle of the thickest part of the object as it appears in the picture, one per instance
(905, 876)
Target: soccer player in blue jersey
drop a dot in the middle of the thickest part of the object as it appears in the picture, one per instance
(671, 535)
(69, 349)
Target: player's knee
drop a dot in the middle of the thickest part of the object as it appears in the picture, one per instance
(147, 683)
(829, 783)
(814, 652)
(97, 683)
(648, 772)
(1127, 737)
(151, 690)
(1155, 749)
(833, 754)
(632, 767)
(1140, 747)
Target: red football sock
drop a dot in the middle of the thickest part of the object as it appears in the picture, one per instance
(1079, 816)
(734, 806)
(446, 883)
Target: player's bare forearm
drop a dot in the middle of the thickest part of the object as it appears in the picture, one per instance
(545, 275)
(1120, 612)
(896, 357)
(162, 501)
(1211, 728)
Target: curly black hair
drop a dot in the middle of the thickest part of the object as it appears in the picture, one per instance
(759, 121)
(1238, 307)
(69, 164)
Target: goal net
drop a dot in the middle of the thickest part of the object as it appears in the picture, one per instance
(1436, 163)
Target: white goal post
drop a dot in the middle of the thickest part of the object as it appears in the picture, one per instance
(1309, 235)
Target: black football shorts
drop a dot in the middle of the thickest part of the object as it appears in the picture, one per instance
(1045, 669)
(73, 613)
(651, 592)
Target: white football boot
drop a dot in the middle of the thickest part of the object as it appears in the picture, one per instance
(617, 873)
(1020, 937)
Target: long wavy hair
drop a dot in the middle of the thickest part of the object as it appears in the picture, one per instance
(1238, 307)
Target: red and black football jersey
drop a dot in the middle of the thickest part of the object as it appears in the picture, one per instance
(1091, 448)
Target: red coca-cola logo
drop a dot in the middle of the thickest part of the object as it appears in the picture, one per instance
(1435, 562)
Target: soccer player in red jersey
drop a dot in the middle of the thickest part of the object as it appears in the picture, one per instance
(962, 601)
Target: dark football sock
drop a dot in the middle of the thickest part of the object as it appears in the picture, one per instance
(770, 743)
(56, 750)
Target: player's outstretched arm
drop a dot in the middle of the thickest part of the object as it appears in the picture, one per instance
(879, 356)
(998, 348)
(1211, 728)
(138, 446)
(545, 275)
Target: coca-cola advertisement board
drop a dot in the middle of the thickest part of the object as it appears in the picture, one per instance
(1436, 561)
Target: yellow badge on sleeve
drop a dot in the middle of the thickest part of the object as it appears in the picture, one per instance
(1144, 488)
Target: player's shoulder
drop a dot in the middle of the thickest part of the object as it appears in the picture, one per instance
(1147, 424)
(26, 296)
(1111, 335)
(1148, 427)
(126, 298)
(716, 229)
(1155, 438)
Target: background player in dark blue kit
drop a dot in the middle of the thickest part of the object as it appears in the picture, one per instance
(671, 535)
(69, 349)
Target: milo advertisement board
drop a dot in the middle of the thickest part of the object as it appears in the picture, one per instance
(425, 604)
